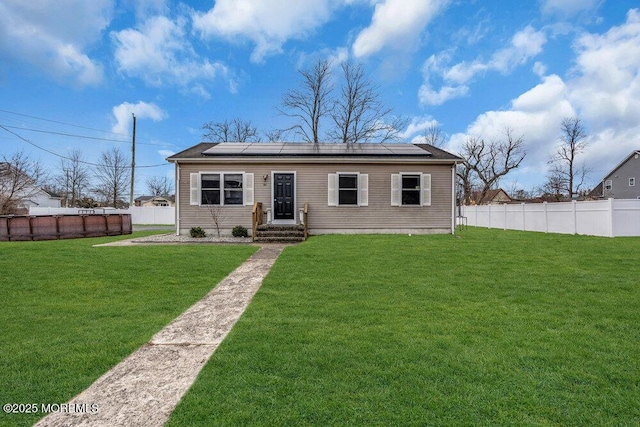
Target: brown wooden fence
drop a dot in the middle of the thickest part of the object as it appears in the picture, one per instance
(50, 227)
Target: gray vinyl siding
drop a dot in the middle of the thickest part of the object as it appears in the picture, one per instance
(311, 187)
(620, 180)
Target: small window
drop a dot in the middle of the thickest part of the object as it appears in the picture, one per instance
(233, 189)
(212, 193)
(210, 189)
(632, 182)
(347, 189)
(608, 185)
(410, 189)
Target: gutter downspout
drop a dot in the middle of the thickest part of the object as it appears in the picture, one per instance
(453, 199)
(177, 213)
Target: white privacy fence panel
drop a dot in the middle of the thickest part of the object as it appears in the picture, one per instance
(153, 215)
(626, 219)
(608, 218)
(139, 215)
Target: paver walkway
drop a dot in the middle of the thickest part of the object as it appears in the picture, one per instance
(145, 388)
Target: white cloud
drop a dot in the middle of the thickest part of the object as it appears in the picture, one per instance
(397, 24)
(53, 35)
(428, 96)
(524, 45)
(267, 24)
(159, 53)
(536, 115)
(603, 90)
(416, 129)
(607, 87)
(123, 115)
(147, 8)
(166, 153)
(539, 69)
(568, 7)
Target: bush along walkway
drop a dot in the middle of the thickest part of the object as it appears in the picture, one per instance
(144, 388)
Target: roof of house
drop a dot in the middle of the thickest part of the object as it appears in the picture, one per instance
(626, 159)
(491, 195)
(145, 198)
(329, 150)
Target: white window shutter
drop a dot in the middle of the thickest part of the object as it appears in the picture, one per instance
(395, 189)
(425, 185)
(363, 189)
(194, 189)
(247, 188)
(332, 190)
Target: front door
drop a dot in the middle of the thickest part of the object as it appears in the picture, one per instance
(283, 193)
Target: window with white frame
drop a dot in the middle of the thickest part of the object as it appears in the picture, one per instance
(221, 188)
(348, 189)
(411, 189)
(608, 185)
(632, 182)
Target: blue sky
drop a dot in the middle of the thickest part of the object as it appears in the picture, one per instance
(72, 67)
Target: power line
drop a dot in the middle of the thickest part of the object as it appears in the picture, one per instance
(68, 158)
(79, 136)
(62, 123)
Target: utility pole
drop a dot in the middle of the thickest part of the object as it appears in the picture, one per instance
(133, 160)
(66, 188)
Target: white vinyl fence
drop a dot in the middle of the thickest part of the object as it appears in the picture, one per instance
(608, 218)
(139, 215)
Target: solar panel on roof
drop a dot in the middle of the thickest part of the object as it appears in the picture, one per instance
(406, 149)
(308, 149)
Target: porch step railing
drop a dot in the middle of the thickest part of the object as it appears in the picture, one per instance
(267, 232)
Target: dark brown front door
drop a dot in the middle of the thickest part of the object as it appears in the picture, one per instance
(283, 192)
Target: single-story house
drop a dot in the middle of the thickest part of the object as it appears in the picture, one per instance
(620, 182)
(153, 201)
(345, 188)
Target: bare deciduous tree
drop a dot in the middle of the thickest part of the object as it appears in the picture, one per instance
(274, 135)
(358, 114)
(217, 215)
(74, 178)
(235, 130)
(564, 173)
(434, 136)
(160, 186)
(19, 180)
(488, 162)
(310, 103)
(113, 176)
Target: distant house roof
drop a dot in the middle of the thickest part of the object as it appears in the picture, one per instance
(53, 195)
(308, 150)
(626, 159)
(146, 198)
(496, 195)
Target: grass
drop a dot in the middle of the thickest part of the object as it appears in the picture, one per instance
(488, 327)
(70, 311)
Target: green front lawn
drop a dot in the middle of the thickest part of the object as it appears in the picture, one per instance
(70, 311)
(488, 327)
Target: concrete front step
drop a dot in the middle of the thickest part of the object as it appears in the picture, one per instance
(268, 233)
(279, 239)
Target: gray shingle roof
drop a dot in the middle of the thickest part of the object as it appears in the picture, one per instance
(279, 149)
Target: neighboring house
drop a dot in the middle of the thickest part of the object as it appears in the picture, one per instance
(622, 181)
(152, 201)
(39, 198)
(349, 188)
(493, 197)
(18, 192)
